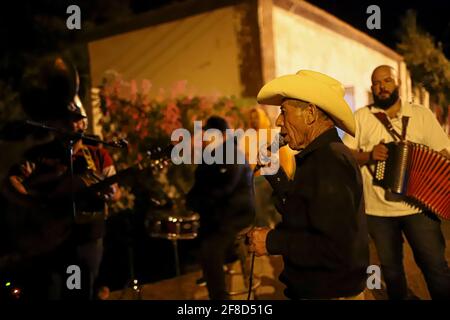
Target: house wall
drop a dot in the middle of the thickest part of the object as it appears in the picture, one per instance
(300, 43)
(225, 52)
(201, 49)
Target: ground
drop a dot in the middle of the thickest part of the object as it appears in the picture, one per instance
(266, 272)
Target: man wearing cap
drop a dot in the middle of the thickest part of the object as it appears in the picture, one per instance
(44, 233)
(223, 196)
(323, 235)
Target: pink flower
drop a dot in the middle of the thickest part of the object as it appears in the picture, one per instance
(187, 100)
(179, 88)
(204, 105)
(144, 134)
(116, 87)
(138, 126)
(133, 90)
(161, 94)
(228, 104)
(145, 87)
(171, 118)
(108, 101)
(146, 107)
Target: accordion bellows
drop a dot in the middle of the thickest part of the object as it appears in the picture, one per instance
(418, 173)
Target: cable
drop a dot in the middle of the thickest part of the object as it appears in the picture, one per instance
(250, 280)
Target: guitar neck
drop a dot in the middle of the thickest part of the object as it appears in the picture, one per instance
(126, 173)
(118, 177)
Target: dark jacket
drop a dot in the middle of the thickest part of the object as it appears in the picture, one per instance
(323, 234)
(223, 196)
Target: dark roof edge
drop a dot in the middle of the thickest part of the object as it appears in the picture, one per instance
(165, 14)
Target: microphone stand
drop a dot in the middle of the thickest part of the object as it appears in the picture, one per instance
(250, 279)
(72, 189)
(121, 143)
(72, 138)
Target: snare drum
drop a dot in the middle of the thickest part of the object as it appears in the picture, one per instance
(174, 227)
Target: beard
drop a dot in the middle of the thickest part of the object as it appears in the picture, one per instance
(387, 102)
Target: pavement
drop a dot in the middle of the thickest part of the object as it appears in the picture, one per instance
(266, 271)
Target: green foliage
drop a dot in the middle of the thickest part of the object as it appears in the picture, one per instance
(426, 61)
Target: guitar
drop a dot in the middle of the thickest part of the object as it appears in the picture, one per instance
(88, 187)
(40, 229)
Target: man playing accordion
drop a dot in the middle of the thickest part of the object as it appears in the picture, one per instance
(389, 217)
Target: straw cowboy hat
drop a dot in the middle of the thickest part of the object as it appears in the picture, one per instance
(314, 87)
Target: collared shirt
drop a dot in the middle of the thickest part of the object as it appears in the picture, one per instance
(323, 233)
(423, 128)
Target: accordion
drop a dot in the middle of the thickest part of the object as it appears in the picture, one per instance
(418, 173)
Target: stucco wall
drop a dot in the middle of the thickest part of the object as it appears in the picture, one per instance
(300, 43)
(201, 49)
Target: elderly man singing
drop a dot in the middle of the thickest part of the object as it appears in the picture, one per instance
(323, 235)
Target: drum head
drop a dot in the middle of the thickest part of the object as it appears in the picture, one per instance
(166, 225)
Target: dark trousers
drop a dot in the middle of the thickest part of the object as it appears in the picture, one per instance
(42, 277)
(424, 235)
(90, 257)
(215, 250)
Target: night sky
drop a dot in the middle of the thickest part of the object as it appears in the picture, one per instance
(29, 27)
(432, 15)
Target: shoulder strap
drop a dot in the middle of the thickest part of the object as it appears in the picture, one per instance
(381, 116)
(90, 161)
(405, 121)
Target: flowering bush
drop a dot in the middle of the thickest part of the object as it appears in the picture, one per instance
(146, 118)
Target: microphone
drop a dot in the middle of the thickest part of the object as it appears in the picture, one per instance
(276, 144)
